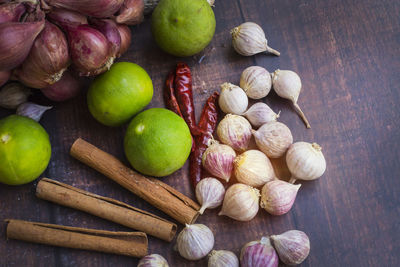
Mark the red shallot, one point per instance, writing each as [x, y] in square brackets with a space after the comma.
[126, 38]
[47, 60]
[110, 30]
[66, 88]
[131, 12]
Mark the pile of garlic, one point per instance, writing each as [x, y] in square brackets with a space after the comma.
[257, 184]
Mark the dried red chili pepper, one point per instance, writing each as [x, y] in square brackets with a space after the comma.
[169, 94]
[184, 95]
[208, 122]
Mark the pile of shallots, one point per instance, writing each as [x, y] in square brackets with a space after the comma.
[47, 44]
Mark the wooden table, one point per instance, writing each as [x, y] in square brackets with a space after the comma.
[348, 56]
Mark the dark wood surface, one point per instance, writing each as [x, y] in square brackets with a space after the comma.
[348, 56]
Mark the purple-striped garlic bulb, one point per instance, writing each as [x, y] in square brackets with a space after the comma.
[218, 160]
[234, 131]
[277, 197]
[259, 253]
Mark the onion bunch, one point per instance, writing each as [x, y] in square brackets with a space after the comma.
[41, 40]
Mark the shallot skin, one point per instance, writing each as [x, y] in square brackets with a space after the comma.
[90, 50]
[47, 60]
[16, 41]
[93, 8]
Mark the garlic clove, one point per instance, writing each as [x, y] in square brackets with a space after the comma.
[222, 258]
[232, 99]
[13, 94]
[273, 138]
[210, 193]
[256, 82]
[249, 39]
[253, 168]
[259, 253]
[195, 241]
[234, 131]
[153, 260]
[241, 202]
[32, 110]
[277, 197]
[287, 84]
[292, 246]
[260, 113]
[218, 160]
[305, 161]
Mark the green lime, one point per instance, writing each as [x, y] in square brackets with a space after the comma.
[157, 142]
[118, 94]
[183, 27]
[25, 150]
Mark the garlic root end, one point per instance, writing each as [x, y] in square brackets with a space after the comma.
[273, 51]
[301, 114]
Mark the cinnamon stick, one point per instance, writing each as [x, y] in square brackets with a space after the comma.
[157, 193]
[132, 244]
[106, 208]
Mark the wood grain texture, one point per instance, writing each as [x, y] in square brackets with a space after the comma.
[348, 56]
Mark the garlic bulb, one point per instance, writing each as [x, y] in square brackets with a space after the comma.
[249, 39]
[241, 202]
[222, 258]
[287, 84]
[13, 94]
[195, 241]
[259, 254]
[153, 260]
[277, 197]
[218, 160]
[210, 193]
[305, 161]
[32, 110]
[234, 131]
[292, 246]
[273, 138]
[253, 168]
[260, 113]
[232, 99]
[256, 82]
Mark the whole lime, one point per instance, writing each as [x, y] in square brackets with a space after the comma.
[157, 142]
[118, 94]
[183, 27]
[25, 150]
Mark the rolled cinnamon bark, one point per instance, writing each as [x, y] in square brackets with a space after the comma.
[132, 244]
[106, 208]
[157, 193]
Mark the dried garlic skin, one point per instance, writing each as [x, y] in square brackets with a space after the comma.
[305, 161]
[153, 260]
[222, 258]
[210, 193]
[256, 82]
[277, 197]
[195, 241]
[292, 246]
[218, 160]
[273, 138]
[232, 99]
[240, 202]
[253, 168]
[13, 94]
[249, 39]
[287, 84]
[234, 131]
[260, 114]
[259, 253]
